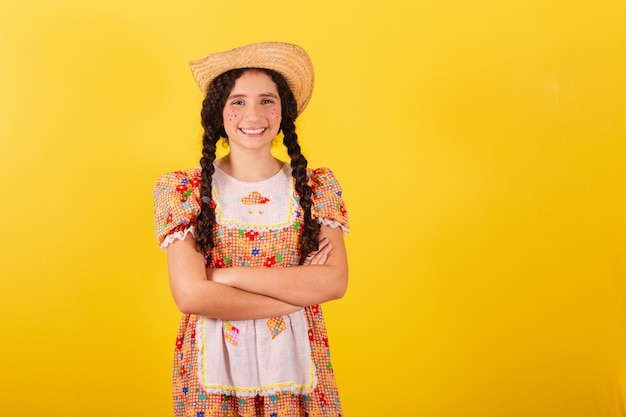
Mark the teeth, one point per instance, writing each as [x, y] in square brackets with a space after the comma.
[253, 131]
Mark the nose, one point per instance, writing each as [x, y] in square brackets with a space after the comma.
[253, 112]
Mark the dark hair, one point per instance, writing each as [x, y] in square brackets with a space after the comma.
[212, 122]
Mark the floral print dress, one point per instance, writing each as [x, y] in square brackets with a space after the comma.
[274, 367]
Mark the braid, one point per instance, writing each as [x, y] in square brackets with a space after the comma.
[206, 217]
[310, 228]
[211, 117]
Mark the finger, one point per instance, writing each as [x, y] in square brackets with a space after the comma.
[322, 243]
[325, 249]
[320, 257]
[309, 259]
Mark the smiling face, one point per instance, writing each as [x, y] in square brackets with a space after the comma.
[252, 113]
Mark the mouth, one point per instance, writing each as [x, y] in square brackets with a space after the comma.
[253, 131]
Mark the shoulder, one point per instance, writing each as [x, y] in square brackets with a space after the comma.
[327, 198]
[187, 179]
[174, 188]
[322, 177]
[176, 201]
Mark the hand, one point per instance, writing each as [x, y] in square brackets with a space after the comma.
[320, 256]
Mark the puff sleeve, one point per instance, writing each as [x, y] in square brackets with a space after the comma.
[176, 205]
[328, 206]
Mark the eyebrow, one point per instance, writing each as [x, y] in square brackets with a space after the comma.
[245, 95]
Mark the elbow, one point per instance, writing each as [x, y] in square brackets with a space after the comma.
[185, 308]
[338, 294]
[184, 305]
[342, 291]
[185, 301]
[339, 290]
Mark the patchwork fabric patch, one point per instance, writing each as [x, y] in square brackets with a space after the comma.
[276, 325]
[231, 333]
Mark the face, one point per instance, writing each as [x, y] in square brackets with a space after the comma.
[252, 113]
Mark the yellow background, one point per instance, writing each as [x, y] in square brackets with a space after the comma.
[481, 147]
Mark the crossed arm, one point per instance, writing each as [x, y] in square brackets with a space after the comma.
[249, 292]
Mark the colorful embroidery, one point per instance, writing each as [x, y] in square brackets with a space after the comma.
[255, 198]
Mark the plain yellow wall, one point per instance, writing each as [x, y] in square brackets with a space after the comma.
[481, 145]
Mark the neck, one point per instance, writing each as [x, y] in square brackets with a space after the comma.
[249, 167]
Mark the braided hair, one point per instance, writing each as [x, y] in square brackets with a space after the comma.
[212, 122]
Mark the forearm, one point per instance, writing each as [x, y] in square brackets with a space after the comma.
[220, 301]
[298, 285]
[194, 294]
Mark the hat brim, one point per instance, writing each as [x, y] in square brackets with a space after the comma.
[291, 61]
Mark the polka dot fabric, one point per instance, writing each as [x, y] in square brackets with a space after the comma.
[176, 197]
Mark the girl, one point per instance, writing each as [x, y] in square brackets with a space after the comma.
[254, 245]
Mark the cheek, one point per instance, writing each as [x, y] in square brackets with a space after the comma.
[232, 115]
[275, 113]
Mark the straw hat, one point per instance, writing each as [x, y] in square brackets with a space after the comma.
[291, 61]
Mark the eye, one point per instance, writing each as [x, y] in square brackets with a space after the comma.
[267, 101]
[237, 103]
